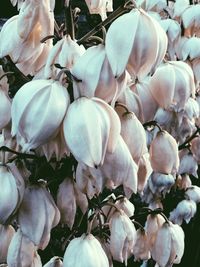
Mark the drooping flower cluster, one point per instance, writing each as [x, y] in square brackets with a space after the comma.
[120, 117]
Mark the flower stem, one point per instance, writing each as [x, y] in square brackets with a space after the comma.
[152, 123]
[119, 11]
[184, 145]
[69, 21]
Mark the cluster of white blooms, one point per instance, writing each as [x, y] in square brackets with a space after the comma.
[132, 123]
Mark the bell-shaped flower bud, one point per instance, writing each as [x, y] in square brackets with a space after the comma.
[153, 223]
[190, 17]
[125, 205]
[88, 249]
[83, 116]
[54, 262]
[148, 104]
[97, 79]
[6, 235]
[127, 49]
[132, 101]
[172, 84]
[34, 22]
[33, 108]
[65, 53]
[141, 247]
[12, 185]
[164, 153]
[184, 211]
[188, 164]
[193, 193]
[169, 245]
[133, 133]
[120, 168]
[38, 203]
[68, 198]
[22, 252]
[89, 180]
[179, 6]
[122, 236]
[66, 202]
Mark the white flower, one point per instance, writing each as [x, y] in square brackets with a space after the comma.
[169, 245]
[185, 210]
[38, 214]
[164, 153]
[37, 112]
[122, 236]
[85, 251]
[136, 48]
[91, 127]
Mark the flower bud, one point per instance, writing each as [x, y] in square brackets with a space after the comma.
[141, 247]
[33, 108]
[169, 245]
[164, 153]
[84, 115]
[38, 203]
[6, 235]
[122, 236]
[22, 252]
[85, 251]
[12, 185]
[185, 210]
[193, 193]
[127, 50]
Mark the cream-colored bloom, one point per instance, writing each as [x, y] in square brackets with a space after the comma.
[193, 193]
[23, 34]
[38, 214]
[135, 48]
[133, 134]
[184, 211]
[172, 84]
[68, 198]
[152, 225]
[22, 252]
[6, 235]
[164, 153]
[65, 53]
[33, 108]
[141, 248]
[120, 168]
[122, 236]
[97, 79]
[91, 127]
[169, 245]
[85, 251]
[12, 185]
